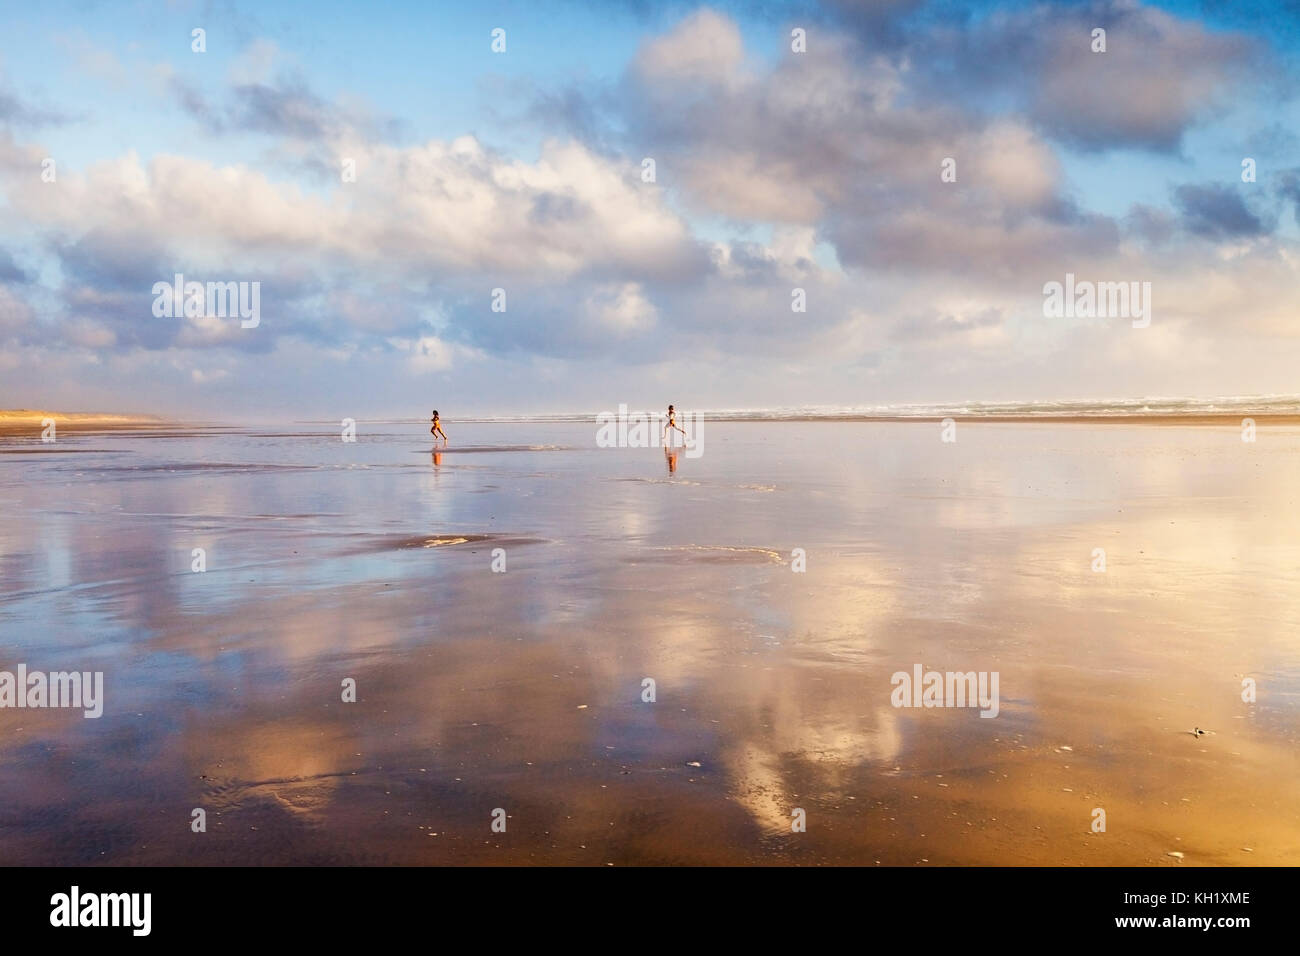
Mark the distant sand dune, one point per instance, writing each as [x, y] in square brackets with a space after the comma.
[20, 421]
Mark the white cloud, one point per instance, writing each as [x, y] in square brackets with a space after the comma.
[622, 309]
[429, 353]
[704, 46]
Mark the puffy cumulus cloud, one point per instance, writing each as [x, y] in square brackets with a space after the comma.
[88, 334]
[1160, 74]
[1150, 224]
[457, 206]
[1015, 167]
[429, 353]
[1216, 211]
[206, 377]
[837, 141]
[173, 207]
[743, 186]
[10, 271]
[450, 208]
[16, 111]
[853, 132]
[779, 145]
[941, 329]
[268, 93]
[819, 171]
[19, 162]
[788, 256]
[422, 231]
[621, 309]
[16, 316]
[255, 64]
[1232, 292]
[284, 107]
[26, 330]
[205, 331]
[1289, 190]
[849, 143]
[705, 46]
[990, 246]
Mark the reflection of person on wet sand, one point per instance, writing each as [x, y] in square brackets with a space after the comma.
[672, 423]
[436, 430]
[437, 458]
[670, 456]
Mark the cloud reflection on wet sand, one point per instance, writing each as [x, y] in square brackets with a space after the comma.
[223, 687]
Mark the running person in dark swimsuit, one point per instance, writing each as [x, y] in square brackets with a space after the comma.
[672, 423]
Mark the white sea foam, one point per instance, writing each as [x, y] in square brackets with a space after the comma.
[1105, 407]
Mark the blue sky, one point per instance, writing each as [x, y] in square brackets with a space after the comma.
[521, 170]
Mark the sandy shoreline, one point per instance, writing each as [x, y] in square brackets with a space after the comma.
[19, 422]
[23, 421]
[1224, 419]
[1233, 419]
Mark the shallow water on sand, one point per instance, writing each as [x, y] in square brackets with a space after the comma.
[523, 690]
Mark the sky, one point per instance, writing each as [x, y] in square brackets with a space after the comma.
[432, 222]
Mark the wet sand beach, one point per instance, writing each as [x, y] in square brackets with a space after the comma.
[523, 689]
